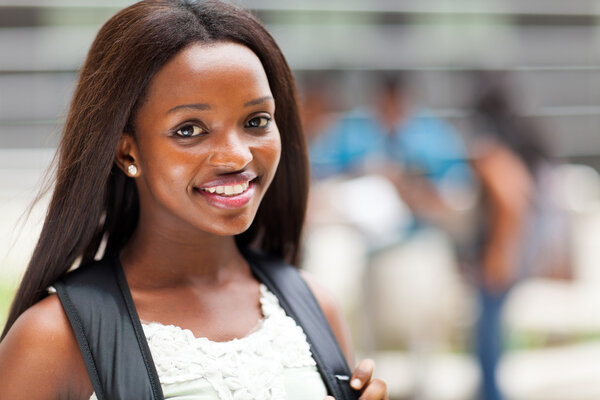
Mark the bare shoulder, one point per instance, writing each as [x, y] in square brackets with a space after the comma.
[41, 347]
[42, 320]
[325, 298]
[333, 312]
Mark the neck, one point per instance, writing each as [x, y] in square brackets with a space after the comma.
[155, 258]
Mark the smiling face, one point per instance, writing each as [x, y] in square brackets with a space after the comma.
[206, 143]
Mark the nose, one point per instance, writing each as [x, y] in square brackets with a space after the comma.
[229, 151]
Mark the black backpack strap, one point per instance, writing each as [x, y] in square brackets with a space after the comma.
[298, 301]
[100, 308]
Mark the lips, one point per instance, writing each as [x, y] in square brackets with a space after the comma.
[229, 191]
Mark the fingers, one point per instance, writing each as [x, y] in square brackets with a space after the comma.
[376, 390]
[362, 374]
[362, 379]
[329, 398]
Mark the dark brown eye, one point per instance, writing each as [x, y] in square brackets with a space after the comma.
[259, 122]
[189, 131]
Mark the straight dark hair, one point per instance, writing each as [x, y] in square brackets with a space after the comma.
[94, 200]
[495, 112]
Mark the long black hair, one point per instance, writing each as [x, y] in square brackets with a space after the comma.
[94, 200]
[496, 113]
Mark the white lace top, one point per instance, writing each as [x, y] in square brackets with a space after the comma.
[272, 362]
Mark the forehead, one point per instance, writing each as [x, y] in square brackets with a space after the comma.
[204, 70]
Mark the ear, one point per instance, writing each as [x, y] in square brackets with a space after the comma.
[128, 155]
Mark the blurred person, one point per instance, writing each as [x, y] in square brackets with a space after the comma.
[399, 175]
[175, 179]
[522, 231]
[419, 153]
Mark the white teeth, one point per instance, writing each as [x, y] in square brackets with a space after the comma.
[228, 190]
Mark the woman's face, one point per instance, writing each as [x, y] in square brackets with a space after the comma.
[206, 143]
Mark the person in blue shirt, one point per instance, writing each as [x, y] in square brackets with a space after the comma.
[421, 154]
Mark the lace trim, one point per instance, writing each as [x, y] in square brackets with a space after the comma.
[247, 368]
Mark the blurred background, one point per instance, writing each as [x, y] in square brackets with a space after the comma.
[455, 209]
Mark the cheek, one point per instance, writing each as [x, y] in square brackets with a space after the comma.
[271, 154]
[277, 150]
[164, 168]
[267, 154]
[275, 144]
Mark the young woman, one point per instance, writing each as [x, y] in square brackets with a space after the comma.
[182, 148]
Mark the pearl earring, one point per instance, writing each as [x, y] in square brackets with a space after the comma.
[132, 170]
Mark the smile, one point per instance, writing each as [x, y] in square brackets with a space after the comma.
[233, 190]
[234, 196]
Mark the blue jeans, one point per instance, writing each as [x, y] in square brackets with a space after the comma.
[489, 341]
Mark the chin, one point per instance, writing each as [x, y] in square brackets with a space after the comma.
[231, 229]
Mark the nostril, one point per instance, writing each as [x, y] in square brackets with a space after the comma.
[230, 160]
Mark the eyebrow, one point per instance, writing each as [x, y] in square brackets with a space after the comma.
[195, 106]
[204, 106]
[260, 100]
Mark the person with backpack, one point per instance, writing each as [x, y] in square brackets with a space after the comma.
[163, 269]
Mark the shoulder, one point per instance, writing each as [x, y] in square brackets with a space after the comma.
[44, 326]
[271, 265]
[333, 312]
[40, 347]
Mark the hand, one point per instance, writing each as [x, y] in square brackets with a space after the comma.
[362, 380]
